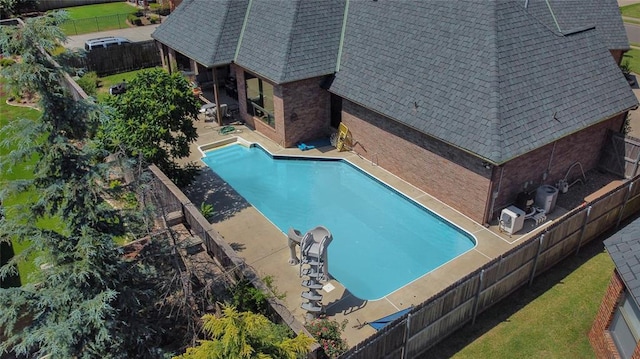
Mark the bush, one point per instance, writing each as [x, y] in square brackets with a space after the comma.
[4, 62]
[89, 83]
[328, 333]
[154, 19]
[134, 20]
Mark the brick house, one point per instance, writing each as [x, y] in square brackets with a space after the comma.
[473, 102]
[616, 328]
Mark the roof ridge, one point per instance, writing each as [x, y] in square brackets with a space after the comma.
[342, 32]
[244, 26]
[219, 37]
[290, 42]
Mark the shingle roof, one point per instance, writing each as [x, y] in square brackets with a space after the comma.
[577, 14]
[286, 41]
[624, 249]
[483, 76]
[206, 31]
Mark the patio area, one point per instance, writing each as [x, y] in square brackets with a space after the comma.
[264, 247]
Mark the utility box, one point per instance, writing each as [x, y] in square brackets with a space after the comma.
[511, 219]
[546, 197]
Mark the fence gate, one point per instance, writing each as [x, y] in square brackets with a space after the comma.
[621, 155]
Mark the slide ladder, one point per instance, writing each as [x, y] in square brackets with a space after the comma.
[314, 268]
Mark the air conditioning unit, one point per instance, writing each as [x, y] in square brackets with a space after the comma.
[511, 219]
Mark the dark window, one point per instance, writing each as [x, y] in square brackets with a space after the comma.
[625, 327]
[259, 99]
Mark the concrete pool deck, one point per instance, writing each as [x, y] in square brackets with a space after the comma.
[264, 247]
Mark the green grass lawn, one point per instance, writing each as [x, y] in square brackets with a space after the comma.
[632, 58]
[99, 17]
[550, 319]
[22, 171]
[108, 81]
[631, 10]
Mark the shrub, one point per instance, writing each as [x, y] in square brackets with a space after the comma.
[154, 19]
[89, 83]
[328, 333]
[134, 20]
[4, 62]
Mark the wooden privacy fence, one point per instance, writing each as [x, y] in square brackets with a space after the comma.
[121, 58]
[621, 155]
[439, 316]
[173, 200]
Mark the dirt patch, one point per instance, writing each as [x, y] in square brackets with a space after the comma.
[596, 180]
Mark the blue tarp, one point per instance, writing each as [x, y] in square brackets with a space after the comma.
[382, 322]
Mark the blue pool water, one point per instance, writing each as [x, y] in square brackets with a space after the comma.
[381, 240]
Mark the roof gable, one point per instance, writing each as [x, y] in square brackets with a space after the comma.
[204, 30]
[292, 40]
[624, 249]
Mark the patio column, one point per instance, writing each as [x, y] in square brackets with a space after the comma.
[215, 96]
[173, 65]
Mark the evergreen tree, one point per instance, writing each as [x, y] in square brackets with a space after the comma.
[87, 301]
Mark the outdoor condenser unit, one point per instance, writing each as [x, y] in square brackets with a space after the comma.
[512, 219]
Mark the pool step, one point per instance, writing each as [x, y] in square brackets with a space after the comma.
[312, 272]
[312, 295]
[311, 284]
[311, 307]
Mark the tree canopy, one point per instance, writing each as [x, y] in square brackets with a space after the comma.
[153, 120]
[87, 301]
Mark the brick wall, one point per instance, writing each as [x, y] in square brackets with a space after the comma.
[599, 336]
[301, 110]
[458, 178]
[447, 173]
[529, 169]
[306, 111]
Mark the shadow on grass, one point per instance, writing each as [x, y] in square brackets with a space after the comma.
[209, 188]
[6, 253]
[502, 311]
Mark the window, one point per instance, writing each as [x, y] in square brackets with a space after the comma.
[625, 326]
[259, 99]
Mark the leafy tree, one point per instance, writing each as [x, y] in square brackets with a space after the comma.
[154, 120]
[246, 335]
[87, 301]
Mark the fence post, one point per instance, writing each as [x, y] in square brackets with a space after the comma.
[635, 167]
[405, 339]
[535, 260]
[626, 199]
[584, 229]
[75, 28]
[477, 298]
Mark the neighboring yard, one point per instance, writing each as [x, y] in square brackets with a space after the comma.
[108, 81]
[550, 319]
[99, 17]
[632, 58]
[23, 171]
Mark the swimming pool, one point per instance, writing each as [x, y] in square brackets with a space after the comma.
[381, 239]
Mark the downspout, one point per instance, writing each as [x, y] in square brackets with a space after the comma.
[495, 194]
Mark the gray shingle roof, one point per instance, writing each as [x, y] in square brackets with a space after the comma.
[286, 41]
[483, 76]
[578, 14]
[624, 249]
[204, 30]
